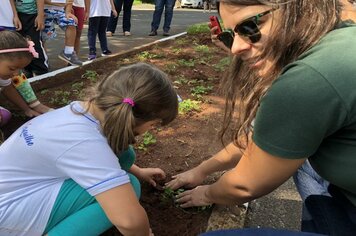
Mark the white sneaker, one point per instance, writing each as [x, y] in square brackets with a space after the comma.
[127, 33]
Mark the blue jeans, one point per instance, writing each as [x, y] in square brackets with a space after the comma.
[97, 26]
[257, 232]
[168, 14]
[126, 19]
[325, 209]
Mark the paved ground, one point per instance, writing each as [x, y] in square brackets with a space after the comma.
[140, 28]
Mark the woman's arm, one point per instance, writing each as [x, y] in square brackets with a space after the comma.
[16, 19]
[257, 173]
[121, 206]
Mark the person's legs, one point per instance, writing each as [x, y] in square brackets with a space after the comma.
[103, 22]
[79, 12]
[168, 15]
[156, 20]
[92, 32]
[126, 20]
[38, 65]
[112, 24]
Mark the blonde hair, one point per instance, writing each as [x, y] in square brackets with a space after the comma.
[303, 23]
[153, 95]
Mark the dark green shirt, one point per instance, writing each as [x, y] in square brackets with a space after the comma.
[310, 110]
[26, 6]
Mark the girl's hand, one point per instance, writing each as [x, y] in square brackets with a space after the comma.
[190, 179]
[114, 12]
[151, 175]
[17, 23]
[31, 113]
[215, 40]
[194, 197]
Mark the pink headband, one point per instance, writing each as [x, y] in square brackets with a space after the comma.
[30, 49]
[129, 101]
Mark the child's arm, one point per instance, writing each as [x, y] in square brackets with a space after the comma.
[13, 95]
[87, 9]
[39, 21]
[113, 9]
[149, 175]
[16, 19]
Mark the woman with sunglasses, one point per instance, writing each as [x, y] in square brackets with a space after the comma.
[293, 73]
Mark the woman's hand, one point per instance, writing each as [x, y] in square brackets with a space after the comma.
[189, 179]
[151, 175]
[194, 197]
[215, 40]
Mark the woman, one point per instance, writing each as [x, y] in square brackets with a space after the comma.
[293, 73]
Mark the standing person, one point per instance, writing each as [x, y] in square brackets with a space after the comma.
[31, 15]
[16, 53]
[99, 14]
[79, 163]
[126, 19]
[81, 11]
[168, 6]
[284, 80]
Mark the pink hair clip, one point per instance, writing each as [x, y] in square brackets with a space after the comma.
[31, 49]
[129, 101]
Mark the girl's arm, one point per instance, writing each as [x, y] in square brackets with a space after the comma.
[39, 21]
[87, 9]
[16, 19]
[13, 96]
[121, 206]
[150, 175]
[257, 173]
[113, 9]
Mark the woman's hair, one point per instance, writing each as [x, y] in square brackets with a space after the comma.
[11, 40]
[152, 93]
[303, 23]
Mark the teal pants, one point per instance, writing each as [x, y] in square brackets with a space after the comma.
[75, 212]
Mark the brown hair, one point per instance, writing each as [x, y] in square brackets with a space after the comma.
[153, 95]
[304, 23]
[11, 39]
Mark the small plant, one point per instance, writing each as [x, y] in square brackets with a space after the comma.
[147, 55]
[200, 90]
[170, 194]
[222, 64]
[148, 139]
[91, 75]
[198, 28]
[170, 68]
[188, 106]
[181, 80]
[177, 50]
[61, 98]
[181, 41]
[188, 63]
[202, 49]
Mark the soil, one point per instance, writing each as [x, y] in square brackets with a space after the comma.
[191, 61]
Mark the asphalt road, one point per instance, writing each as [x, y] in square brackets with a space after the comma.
[140, 28]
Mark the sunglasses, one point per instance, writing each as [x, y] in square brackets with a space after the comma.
[247, 29]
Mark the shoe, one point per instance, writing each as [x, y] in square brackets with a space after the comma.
[127, 33]
[109, 34]
[70, 58]
[166, 34]
[153, 33]
[106, 53]
[91, 56]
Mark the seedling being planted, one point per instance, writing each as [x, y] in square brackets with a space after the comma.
[148, 139]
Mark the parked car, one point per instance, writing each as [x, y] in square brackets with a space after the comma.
[192, 3]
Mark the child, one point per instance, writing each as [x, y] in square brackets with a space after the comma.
[15, 53]
[68, 172]
[55, 15]
[126, 19]
[99, 14]
[81, 11]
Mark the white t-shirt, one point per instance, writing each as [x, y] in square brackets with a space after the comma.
[100, 8]
[40, 155]
[79, 3]
[6, 14]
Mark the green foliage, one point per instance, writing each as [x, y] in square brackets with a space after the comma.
[176, 50]
[147, 55]
[181, 80]
[200, 90]
[91, 75]
[198, 28]
[222, 64]
[202, 48]
[187, 63]
[170, 67]
[188, 106]
[170, 194]
[148, 139]
[60, 98]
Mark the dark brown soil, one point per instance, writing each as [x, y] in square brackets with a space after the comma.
[190, 61]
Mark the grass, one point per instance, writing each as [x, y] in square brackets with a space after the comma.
[198, 28]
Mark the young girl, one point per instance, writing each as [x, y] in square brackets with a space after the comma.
[16, 53]
[99, 14]
[68, 172]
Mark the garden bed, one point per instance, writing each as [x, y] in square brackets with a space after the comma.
[195, 66]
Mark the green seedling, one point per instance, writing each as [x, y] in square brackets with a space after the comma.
[222, 64]
[188, 105]
[200, 90]
[170, 194]
[187, 63]
[61, 98]
[181, 80]
[177, 50]
[147, 55]
[91, 75]
[45, 91]
[148, 139]
[170, 68]
[202, 49]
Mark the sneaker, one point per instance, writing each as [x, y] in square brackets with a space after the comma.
[127, 33]
[166, 34]
[91, 56]
[70, 58]
[106, 53]
[153, 33]
[109, 34]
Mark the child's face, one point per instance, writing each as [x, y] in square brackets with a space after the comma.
[9, 68]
